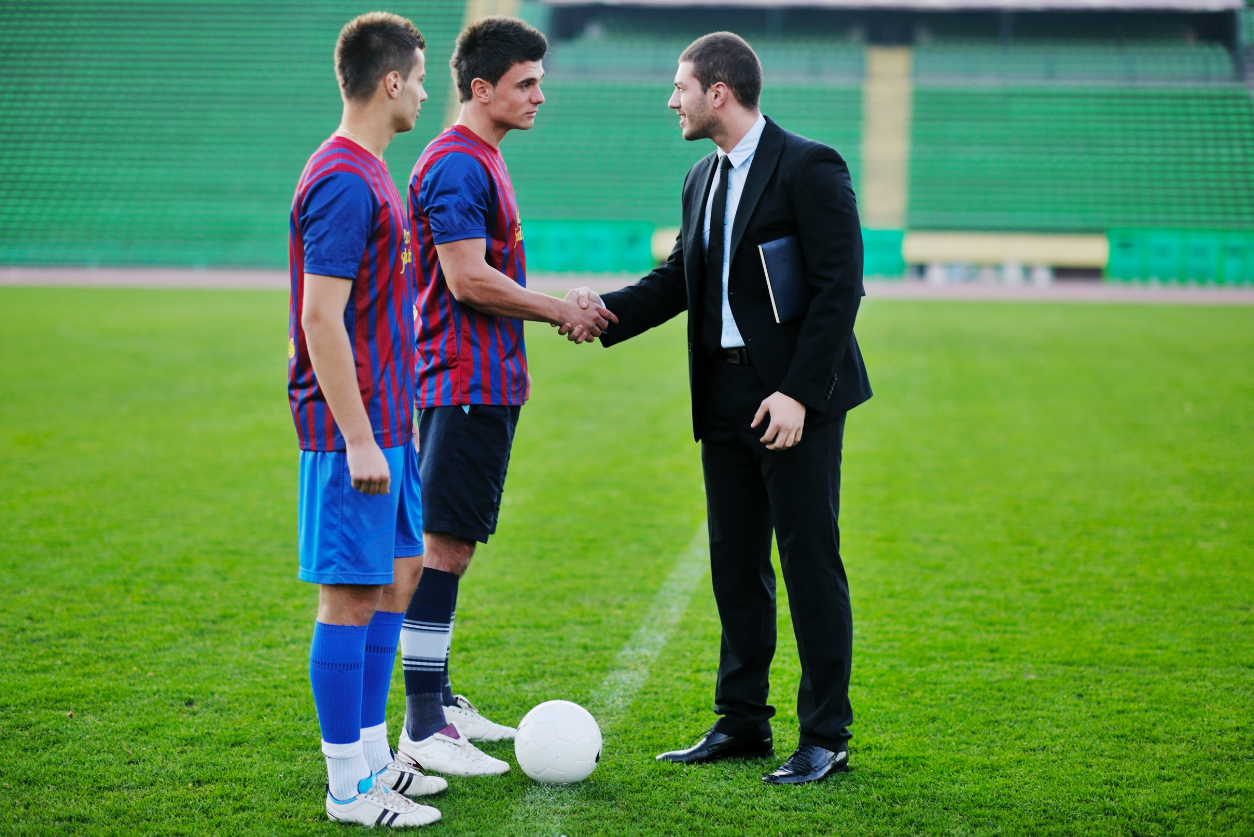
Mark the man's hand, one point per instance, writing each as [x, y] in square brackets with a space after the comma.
[589, 318]
[368, 468]
[473, 282]
[527, 393]
[788, 419]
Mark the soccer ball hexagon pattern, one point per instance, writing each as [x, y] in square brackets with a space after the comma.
[558, 743]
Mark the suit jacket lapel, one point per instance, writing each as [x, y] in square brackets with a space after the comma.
[694, 215]
[760, 170]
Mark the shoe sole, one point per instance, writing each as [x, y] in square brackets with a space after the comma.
[507, 736]
[764, 754]
[336, 819]
[841, 768]
[426, 768]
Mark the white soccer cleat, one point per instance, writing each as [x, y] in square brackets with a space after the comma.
[474, 726]
[403, 778]
[381, 806]
[451, 756]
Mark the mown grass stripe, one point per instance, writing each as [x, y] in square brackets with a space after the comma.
[543, 806]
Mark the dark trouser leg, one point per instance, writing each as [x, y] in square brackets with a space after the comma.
[804, 488]
[744, 586]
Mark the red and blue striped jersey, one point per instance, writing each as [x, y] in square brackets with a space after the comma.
[348, 221]
[460, 189]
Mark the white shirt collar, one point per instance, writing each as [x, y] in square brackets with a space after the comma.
[748, 144]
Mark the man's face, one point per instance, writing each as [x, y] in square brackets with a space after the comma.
[696, 116]
[408, 104]
[516, 98]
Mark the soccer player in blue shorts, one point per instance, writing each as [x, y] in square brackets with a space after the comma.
[350, 384]
[472, 366]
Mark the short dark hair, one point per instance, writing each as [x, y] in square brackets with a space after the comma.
[487, 48]
[372, 45]
[726, 57]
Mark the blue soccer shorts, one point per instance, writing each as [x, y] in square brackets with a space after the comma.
[347, 537]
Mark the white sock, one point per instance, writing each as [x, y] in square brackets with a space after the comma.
[346, 766]
[375, 742]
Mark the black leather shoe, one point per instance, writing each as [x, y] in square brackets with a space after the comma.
[810, 764]
[715, 746]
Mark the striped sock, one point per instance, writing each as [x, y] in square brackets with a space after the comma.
[446, 696]
[424, 650]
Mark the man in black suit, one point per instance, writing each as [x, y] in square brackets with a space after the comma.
[761, 184]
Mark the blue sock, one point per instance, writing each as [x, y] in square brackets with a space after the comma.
[424, 650]
[337, 660]
[381, 638]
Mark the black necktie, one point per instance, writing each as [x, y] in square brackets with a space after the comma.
[712, 331]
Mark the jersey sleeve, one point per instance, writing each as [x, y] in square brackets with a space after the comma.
[335, 222]
[455, 194]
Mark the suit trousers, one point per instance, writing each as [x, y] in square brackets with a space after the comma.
[752, 492]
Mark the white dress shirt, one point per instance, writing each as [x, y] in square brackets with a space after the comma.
[741, 160]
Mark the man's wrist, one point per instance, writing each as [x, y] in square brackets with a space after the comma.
[559, 311]
[357, 439]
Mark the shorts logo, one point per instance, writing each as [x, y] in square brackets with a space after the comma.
[407, 255]
[291, 348]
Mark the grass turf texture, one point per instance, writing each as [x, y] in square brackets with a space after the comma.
[1048, 526]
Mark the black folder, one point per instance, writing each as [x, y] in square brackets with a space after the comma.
[785, 267]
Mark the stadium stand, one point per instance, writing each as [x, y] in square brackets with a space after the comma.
[608, 149]
[173, 133]
[1080, 138]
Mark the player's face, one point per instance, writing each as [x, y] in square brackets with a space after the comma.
[408, 103]
[696, 116]
[516, 98]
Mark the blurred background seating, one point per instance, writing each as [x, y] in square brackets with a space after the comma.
[172, 133]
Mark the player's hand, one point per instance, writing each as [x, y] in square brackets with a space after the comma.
[589, 316]
[527, 393]
[788, 419]
[368, 468]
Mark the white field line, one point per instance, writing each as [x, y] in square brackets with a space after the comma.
[542, 808]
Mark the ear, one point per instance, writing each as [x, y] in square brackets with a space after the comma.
[393, 84]
[718, 94]
[482, 91]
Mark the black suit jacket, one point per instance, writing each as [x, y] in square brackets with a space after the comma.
[795, 185]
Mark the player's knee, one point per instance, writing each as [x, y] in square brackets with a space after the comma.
[448, 553]
[406, 573]
[348, 604]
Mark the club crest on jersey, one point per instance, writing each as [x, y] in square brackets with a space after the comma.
[291, 348]
[407, 255]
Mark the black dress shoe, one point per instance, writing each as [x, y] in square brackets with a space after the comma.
[715, 746]
[810, 764]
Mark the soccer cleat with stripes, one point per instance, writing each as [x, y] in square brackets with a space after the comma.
[404, 778]
[380, 806]
[474, 726]
[444, 753]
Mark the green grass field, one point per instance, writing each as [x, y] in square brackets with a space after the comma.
[1049, 530]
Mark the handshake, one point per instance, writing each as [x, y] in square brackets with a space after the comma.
[587, 316]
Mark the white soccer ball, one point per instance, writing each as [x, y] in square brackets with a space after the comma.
[558, 742]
